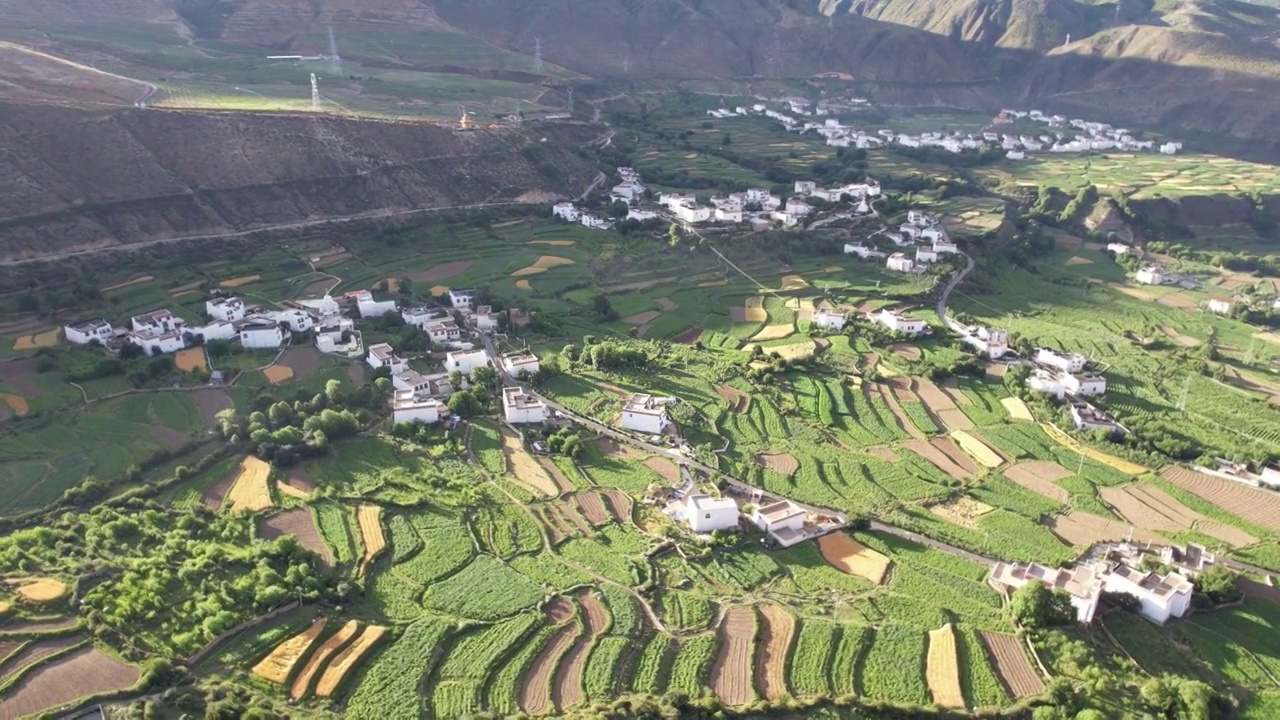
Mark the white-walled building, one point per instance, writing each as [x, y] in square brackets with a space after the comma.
[830, 319]
[943, 246]
[408, 407]
[225, 308]
[926, 255]
[330, 334]
[565, 211]
[1061, 384]
[1118, 248]
[899, 262]
[1150, 275]
[1218, 306]
[692, 214]
[485, 319]
[1160, 596]
[158, 343]
[463, 298]
[861, 250]
[727, 215]
[900, 323]
[1087, 417]
[216, 330]
[1066, 362]
[324, 307]
[88, 331]
[641, 215]
[419, 315]
[443, 331]
[370, 308]
[297, 321]
[783, 521]
[706, 514]
[520, 407]
[1081, 583]
[157, 322]
[992, 342]
[520, 362]
[261, 335]
[465, 362]
[644, 414]
[383, 355]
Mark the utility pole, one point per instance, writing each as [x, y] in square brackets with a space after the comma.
[315, 94]
[537, 54]
[1186, 388]
[570, 100]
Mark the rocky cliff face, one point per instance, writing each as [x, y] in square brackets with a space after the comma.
[75, 180]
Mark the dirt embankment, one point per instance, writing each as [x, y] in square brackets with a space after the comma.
[140, 178]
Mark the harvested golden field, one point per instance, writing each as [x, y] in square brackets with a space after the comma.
[941, 671]
[277, 374]
[555, 243]
[39, 590]
[347, 659]
[250, 491]
[238, 281]
[190, 359]
[541, 265]
[302, 684]
[978, 449]
[849, 556]
[16, 403]
[794, 282]
[35, 341]
[523, 285]
[526, 471]
[1017, 409]
[370, 517]
[774, 332]
[753, 310]
[292, 491]
[1067, 441]
[962, 511]
[278, 666]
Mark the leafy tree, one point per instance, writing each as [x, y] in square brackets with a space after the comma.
[1220, 584]
[464, 404]
[1036, 606]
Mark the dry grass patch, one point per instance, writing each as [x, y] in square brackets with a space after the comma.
[16, 403]
[753, 310]
[774, 332]
[190, 359]
[39, 590]
[962, 511]
[794, 351]
[250, 490]
[302, 684]
[288, 490]
[521, 465]
[523, 285]
[851, 557]
[555, 243]
[1178, 300]
[1112, 461]
[35, 341]
[238, 281]
[884, 453]
[942, 674]
[370, 517]
[278, 665]
[1017, 409]
[135, 281]
[277, 374]
[978, 449]
[543, 264]
[347, 659]
[666, 304]
[1077, 260]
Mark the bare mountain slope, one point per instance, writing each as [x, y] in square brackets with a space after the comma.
[74, 180]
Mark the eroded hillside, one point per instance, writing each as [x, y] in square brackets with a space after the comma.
[74, 180]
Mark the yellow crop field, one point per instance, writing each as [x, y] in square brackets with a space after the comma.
[347, 659]
[48, 338]
[941, 671]
[1017, 409]
[292, 491]
[774, 332]
[302, 683]
[190, 359]
[542, 264]
[370, 517]
[16, 403]
[277, 374]
[238, 281]
[849, 556]
[277, 666]
[39, 590]
[978, 449]
[250, 490]
[1067, 441]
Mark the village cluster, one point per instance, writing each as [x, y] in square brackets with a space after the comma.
[1063, 135]
[920, 235]
[757, 206]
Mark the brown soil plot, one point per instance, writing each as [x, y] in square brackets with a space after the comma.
[190, 359]
[85, 672]
[442, 271]
[884, 453]
[942, 674]
[777, 627]
[557, 475]
[664, 467]
[949, 448]
[567, 689]
[1012, 664]
[302, 684]
[666, 304]
[355, 373]
[619, 505]
[303, 361]
[347, 659]
[592, 507]
[555, 533]
[1082, 529]
[168, 437]
[941, 405]
[135, 281]
[906, 351]
[1039, 476]
[211, 402]
[739, 402]
[1177, 300]
[939, 459]
[569, 512]
[1150, 507]
[688, 337]
[643, 318]
[1257, 506]
[778, 462]
[899, 415]
[216, 493]
[277, 374]
[36, 652]
[1183, 340]
[535, 691]
[521, 465]
[731, 673]
[851, 557]
[299, 523]
[38, 590]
